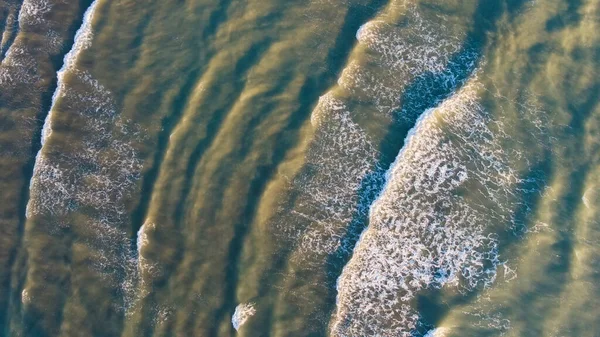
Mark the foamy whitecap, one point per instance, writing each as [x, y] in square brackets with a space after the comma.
[359, 31]
[364, 28]
[142, 237]
[326, 103]
[415, 50]
[423, 232]
[242, 313]
[148, 268]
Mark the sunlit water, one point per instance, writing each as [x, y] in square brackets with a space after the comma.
[342, 168]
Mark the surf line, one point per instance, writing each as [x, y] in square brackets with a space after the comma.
[83, 39]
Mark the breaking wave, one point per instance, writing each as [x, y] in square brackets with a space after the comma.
[431, 227]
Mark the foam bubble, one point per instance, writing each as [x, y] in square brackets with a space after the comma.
[25, 297]
[242, 313]
[585, 199]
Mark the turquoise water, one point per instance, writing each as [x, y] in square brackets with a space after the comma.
[308, 168]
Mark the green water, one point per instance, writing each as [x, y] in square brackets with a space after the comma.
[299, 168]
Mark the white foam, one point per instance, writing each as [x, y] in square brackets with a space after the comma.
[585, 199]
[422, 233]
[437, 332]
[242, 313]
[147, 268]
[33, 11]
[25, 297]
[19, 67]
[360, 31]
[142, 237]
[327, 103]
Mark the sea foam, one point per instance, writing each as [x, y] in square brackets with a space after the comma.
[422, 232]
[242, 313]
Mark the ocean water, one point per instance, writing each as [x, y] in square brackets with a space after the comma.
[341, 168]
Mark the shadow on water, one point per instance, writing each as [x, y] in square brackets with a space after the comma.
[171, 121]
[136, 45]
[580, 107]
[241, 67]
[213, 126]
[287, 137]
[167, 125]
[216, 19]
[567, 18]
[257, 187]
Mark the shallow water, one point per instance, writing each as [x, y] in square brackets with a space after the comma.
[309, 168]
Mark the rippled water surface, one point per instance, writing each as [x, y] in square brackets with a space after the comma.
[341, 168]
